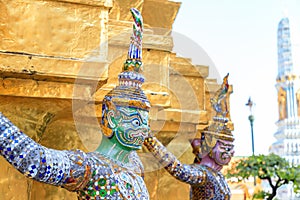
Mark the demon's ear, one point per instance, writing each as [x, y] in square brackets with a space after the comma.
[196, 144]
[111, 118]
[203, 146]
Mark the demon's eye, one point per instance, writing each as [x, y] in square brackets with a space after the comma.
[136, 122]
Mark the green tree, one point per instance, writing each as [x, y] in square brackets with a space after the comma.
[276, 170]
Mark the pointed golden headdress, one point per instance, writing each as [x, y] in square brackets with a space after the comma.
[129, 93]
[218, 129]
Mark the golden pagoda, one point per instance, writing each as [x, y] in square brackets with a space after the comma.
[58, 58]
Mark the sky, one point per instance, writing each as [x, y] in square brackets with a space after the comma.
[239, 37]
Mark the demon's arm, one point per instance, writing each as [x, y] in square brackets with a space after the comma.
[186, 173]
[68, 169]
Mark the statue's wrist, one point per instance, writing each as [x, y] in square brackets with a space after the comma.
[4, 123]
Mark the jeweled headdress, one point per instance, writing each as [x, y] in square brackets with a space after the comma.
[218, 129]
[128, 92]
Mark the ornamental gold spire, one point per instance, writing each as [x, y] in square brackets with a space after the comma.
[134, 57]
[131, 74]
[218, 129]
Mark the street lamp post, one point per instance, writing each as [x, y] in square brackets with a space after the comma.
[251, 119]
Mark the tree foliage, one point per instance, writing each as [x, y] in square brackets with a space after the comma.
[272, 168]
